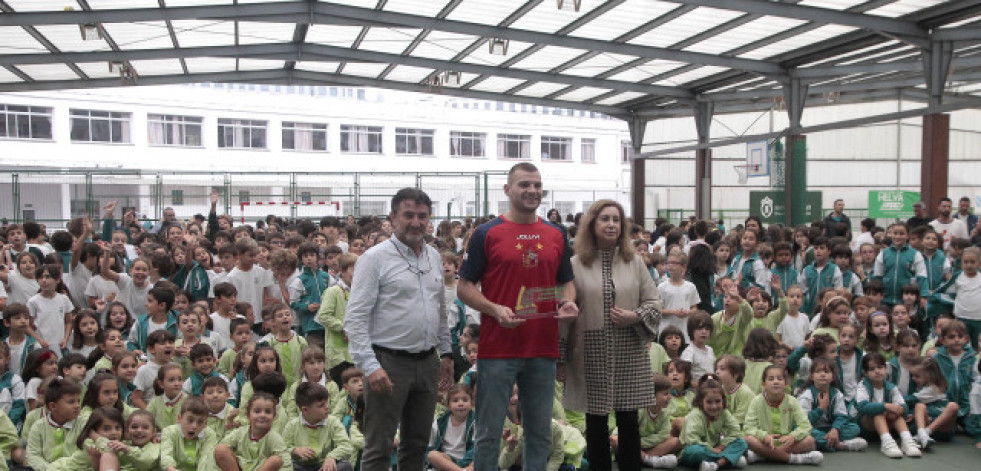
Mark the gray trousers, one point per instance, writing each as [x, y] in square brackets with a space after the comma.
[409, 408]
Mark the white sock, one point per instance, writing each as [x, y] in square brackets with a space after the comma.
[798, 459]
[926, 431]
[905, 435]
[886, 438]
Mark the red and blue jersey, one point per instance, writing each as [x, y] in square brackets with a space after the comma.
[508, 258]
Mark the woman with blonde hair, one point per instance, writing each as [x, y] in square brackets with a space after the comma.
[604, 361]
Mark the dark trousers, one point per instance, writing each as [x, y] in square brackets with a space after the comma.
[598, 441]
[409, 408]
[342, 465]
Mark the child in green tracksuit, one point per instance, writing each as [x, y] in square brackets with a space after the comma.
[657, 445]
[711, 435]
[46, 442]
[189, 444]
[831, 426]
[458, 417]
[139, 452]
[166, 407]
[315, 438]
[731, 325]
[679, 376]
[777, 428]
[258, 446]
[104, 425]
[513, 437]
[221, 414]
[284, 341]
[730, 371]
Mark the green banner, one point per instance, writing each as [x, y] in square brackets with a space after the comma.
[769, 207]
[892, 203]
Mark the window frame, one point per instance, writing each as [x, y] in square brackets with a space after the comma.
[547, 144]
[522, 140]
[181, 122]
[468, 139]
[124, 118]
[225, 124]
[420, 134]
[315, 130]
[584, 144]
[376, 132]
[29, 113]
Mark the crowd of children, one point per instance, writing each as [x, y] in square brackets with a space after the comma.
[224, 349]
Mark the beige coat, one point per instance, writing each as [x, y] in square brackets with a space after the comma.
[607, 367]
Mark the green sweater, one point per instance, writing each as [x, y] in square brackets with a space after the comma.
[729, 335]
[79, 459]
[252, 453]
[165, 412]
[793, 419]
[753, 378]
[218, 422]
[738, 402]
[177, 451]
[653, 430]
[47, 443]
[698, 430]
[144, 458]
[328, 438]
[770, 321]
[556, 454]
[333, 308]
[8, 436]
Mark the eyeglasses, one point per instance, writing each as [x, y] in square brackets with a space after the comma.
[416, 270]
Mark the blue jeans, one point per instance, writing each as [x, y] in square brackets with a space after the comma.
[536, 390]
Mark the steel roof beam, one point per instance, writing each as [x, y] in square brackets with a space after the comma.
[817, 15]
[324, 11]
[971, 33]
[318, 52]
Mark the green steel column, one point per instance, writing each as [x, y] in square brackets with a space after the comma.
[227, 197]
[796, 184]
[15, 187]
[486, 195]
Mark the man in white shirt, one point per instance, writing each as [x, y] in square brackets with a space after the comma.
[945, 225]
[395, 323]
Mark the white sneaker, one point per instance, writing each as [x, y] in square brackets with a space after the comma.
[665, 462]
[752, 457]
[708, 466]
[924, 439]
[890, 449]
[855, 444]
[910, 448]
[814, 457]
[741, 463]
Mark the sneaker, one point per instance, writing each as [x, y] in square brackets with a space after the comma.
[814, 457]
[708, 466]
[924, 439]
[751, 457]
[855, 444]
[891, 450]
[665, 462]
[910, 448]
[741, 463]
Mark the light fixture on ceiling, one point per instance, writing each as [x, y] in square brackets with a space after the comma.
[832, 97]
[451, 78]
[498, 46]
[127, 73]
[89, 31]
[434, 81]
[779, 104]
[571, 5]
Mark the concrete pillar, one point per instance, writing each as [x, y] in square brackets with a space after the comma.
[934, 159]
[638, 176]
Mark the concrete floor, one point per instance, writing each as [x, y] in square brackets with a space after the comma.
[959, 455]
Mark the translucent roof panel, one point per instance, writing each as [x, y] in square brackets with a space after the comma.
[97, 70]
[622, 18]
[744, 34]
[806, 38]
[194, 33]
[698, 73]
[363, 69]
[484, 12]
[144, 35]
[115, 4]
[497, 84]
[443, 45]
[341, 36]
[68, 38]
[7, 76]
[545, 18]
[405, 73]
[390, 40]
[159, 66]
[17, 41]
[904, 7]
[48, 72]
[482, 54]
[258, 64]
[263, 33]
[584, 93]
[599, 64]
[548, 58]
[414, 7]
[685, 26]
[620, 98]
[540, 89]
[326, 67]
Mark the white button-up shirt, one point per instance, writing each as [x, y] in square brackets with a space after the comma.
[397, 302]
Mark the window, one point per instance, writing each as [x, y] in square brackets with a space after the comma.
[177, 197]
[513, 146]
[589, 151]
[375, 208]
[361, 139]
[467, 144]
[25, 122]
[414, 141]
[241, 133]
[565, 207]
[626, 151]
[100, 126]
[304, 136]
[172, 130]
[556, 148]
[306, 196]
[244, 195]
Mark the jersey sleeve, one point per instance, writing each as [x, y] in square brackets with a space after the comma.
[475, 260]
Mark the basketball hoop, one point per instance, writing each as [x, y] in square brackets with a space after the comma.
[742, 171]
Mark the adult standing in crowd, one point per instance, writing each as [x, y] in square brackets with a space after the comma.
[964, 214]
[946, 226]
[836, 218]
[515, 253]
[395, 325]
[605, 364]
[920, 216]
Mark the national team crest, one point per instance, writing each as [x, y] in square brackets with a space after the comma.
[529, 259]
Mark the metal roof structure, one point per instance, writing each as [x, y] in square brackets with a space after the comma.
[634, 59]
